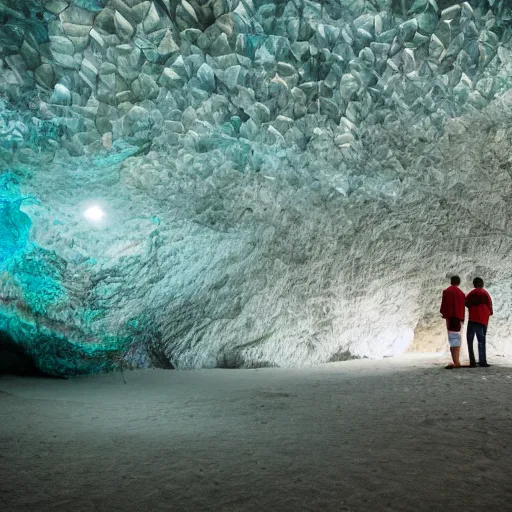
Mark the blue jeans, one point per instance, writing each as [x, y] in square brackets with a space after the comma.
[480, 330]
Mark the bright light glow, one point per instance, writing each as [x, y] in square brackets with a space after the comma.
[94, 213]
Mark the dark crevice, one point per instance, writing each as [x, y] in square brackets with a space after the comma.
[15, 361]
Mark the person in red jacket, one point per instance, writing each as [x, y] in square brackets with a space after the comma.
[479, 304]
[452, 309]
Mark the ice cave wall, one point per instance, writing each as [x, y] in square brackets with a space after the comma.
[284, 183]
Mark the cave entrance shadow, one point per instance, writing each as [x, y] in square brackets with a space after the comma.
[15, 361]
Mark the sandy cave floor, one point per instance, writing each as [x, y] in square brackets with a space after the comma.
[401, 434]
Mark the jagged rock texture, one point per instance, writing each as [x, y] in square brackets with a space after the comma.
[284, 183]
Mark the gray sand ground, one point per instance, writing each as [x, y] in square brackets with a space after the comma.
[358, 436]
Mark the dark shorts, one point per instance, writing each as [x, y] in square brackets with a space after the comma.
[453, 324]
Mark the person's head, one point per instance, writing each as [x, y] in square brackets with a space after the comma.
[478, 282]
[455, 280]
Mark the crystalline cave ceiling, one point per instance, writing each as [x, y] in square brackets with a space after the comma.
[247, 183]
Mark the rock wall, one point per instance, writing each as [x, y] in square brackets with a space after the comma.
[282, 183]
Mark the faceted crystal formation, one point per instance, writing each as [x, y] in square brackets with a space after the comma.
[281, 182]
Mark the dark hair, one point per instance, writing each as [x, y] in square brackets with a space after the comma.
[455, 280]
[478, 282]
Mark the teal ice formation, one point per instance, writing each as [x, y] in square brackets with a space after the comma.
[225, 183]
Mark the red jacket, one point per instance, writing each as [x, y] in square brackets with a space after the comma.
[479, 304]
[452, 305]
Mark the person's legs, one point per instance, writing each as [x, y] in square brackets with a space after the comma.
[470, 334]
[454, 341]
[452, 352]
[481, 332]
[455, 351]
